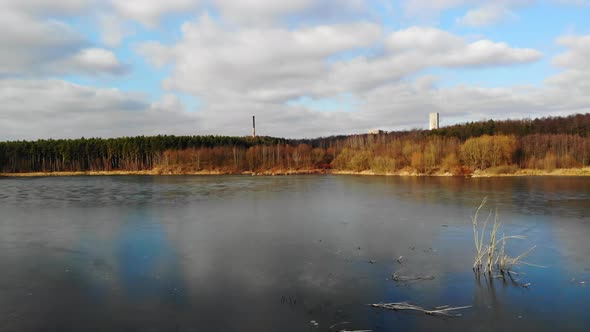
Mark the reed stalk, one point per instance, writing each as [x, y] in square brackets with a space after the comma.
[490, 249]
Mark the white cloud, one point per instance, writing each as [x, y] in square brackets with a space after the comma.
[573, 2]
[430, 47]
[40, 46]
[28, 44]
[149, 12]
[54, 108]
[485, 15]
[575, 62]
[578, 54]
[480, 12]
[113, 29]
[423, 38]
[168, 103]
[428, 7]
[251, 12]
[47, 7]
[259, 11]
[488, 53]
[275, 64]
[414, 49]
[258, 63]
[92, 61]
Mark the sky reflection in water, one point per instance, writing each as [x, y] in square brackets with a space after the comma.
[274, 253]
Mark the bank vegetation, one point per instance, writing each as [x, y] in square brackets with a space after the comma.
[540, 146]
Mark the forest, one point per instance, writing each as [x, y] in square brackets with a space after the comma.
[494, 146]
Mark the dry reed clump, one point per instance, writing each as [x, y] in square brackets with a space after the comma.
[490, 249]
[503, 169]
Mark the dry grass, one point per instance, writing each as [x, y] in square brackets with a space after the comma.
[168, 171]
[490, 249]
[581, 171]
[504, 169]
[87, 173]
[403, 172]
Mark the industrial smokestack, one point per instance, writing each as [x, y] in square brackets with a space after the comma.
[253, 126]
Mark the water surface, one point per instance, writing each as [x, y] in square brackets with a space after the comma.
[238, 253]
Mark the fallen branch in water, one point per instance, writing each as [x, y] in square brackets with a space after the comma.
[443, 311]
[345, 330]
[399, 260]
[334, 325]
[397, 277]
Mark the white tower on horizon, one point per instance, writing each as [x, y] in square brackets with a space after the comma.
[433, 123]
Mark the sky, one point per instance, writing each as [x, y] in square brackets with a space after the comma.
[305, 68]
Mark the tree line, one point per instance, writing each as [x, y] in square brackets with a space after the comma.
[97, 154]
[503, 146]
[577, 124]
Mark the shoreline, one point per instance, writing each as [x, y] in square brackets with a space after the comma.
[159, 173]
[573, 172]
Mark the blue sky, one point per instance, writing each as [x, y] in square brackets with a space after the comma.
[305, 68]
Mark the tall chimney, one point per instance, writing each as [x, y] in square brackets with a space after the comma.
[253, 126]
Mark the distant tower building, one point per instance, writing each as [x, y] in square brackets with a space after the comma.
[253, 126]
[433, 123]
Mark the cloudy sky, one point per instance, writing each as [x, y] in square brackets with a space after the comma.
[305, 68]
